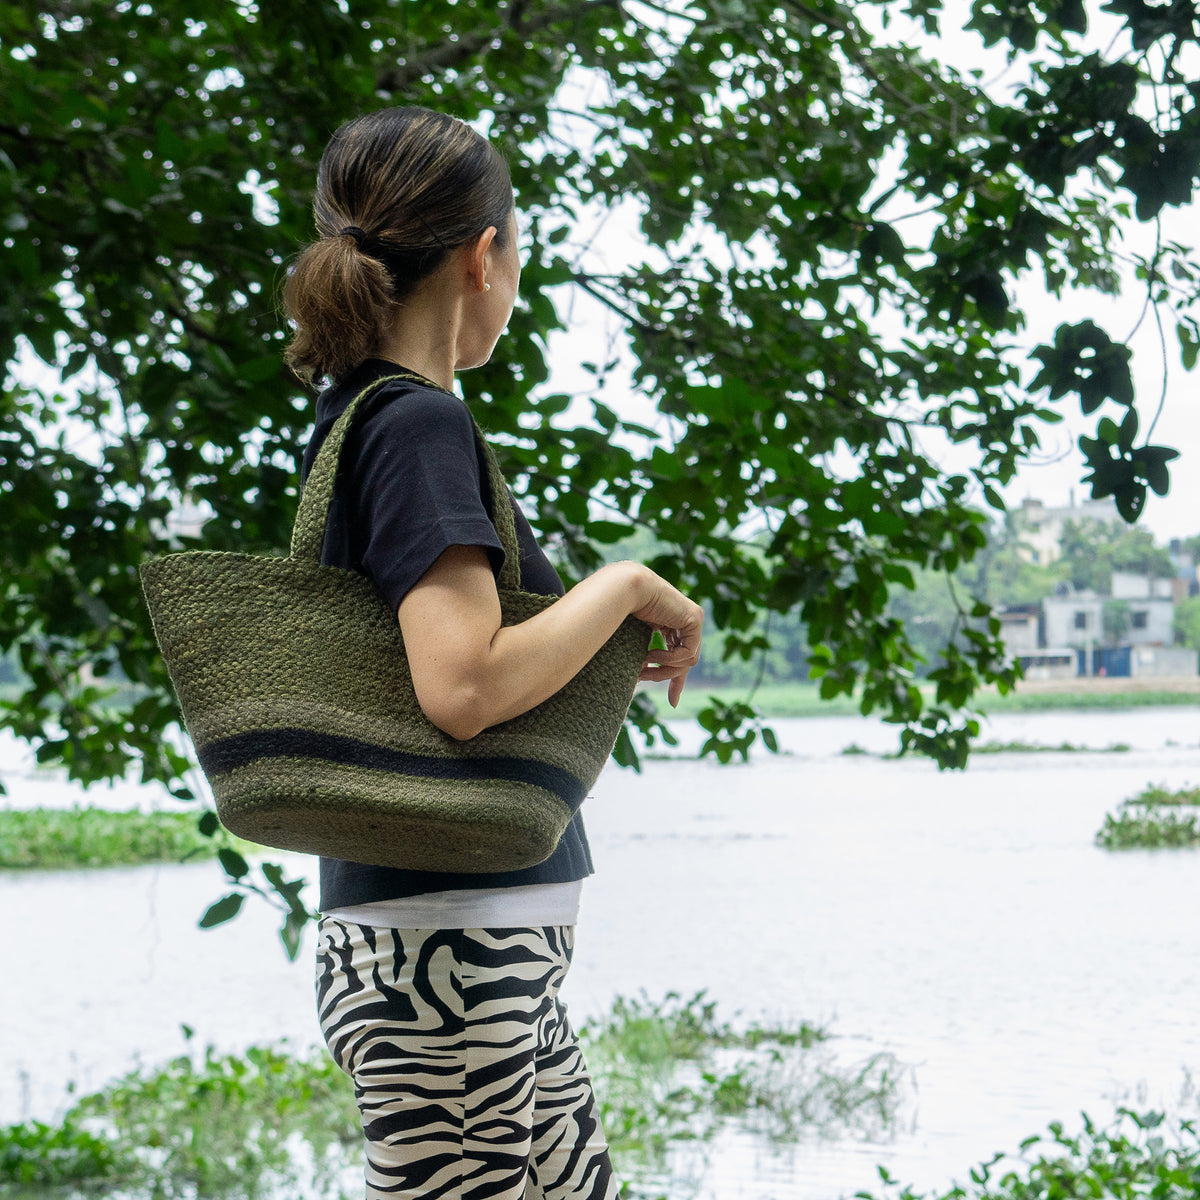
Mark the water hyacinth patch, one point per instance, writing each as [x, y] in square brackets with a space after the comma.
[1153, 819]
[1149, 829]
[1139, 1157]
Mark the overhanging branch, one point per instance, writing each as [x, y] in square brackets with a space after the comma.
[446, 55]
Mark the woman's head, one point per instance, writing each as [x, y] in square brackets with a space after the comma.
[397, 190]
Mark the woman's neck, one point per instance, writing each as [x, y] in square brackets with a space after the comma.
[424, 335]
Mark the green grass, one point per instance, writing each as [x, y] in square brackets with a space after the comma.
[1018, 701]
[802, 699]
[94, 837]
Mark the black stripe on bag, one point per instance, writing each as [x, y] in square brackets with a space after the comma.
[228, 753]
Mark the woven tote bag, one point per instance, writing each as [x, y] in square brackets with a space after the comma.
[296, 691]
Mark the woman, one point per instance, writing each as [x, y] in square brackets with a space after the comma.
[438, 993]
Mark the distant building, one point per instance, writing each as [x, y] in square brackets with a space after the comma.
[1072, 618]
[1187, 570]
[1128, 633]
[1020, 627]
[1050, 664]
[1039, 528]
[1131, 631]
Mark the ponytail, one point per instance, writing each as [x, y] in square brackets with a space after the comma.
[396, 190]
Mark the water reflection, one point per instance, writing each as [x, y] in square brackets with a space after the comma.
[963, 922]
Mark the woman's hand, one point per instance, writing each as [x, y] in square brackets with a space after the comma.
[471, 672]
[681, 623]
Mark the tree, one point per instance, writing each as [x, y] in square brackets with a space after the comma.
[1093, 550]
[829, 227]
[1187, 622]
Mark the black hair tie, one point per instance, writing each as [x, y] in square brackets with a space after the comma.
[357, 234]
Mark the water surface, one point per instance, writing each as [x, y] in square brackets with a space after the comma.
[963, 921]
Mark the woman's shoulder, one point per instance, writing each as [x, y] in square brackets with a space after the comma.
[399, 405]
[415, 405]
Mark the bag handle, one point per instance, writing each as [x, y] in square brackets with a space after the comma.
[308, 533]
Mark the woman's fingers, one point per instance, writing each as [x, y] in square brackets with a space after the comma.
[672, 663]
[680, 621]
[676, 676]
[685, 655]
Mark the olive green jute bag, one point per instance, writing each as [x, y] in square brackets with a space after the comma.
[296, 691]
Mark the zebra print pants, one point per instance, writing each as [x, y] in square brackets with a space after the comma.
[469, 1078]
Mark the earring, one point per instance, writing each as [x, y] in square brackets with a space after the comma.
[487, 287]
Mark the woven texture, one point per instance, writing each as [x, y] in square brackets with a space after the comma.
[296, 691]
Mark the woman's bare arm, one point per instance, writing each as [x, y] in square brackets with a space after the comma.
[471, 673]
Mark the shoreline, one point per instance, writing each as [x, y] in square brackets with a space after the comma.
[1180, 685]
[802, 699]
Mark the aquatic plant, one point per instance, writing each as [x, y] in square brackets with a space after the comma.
[1152, 820]
[268, 1123]
[1138, 1156]
[1020, 747]
[223, 1127]
[1148, 829]
[671, 1077]
[1156, 794]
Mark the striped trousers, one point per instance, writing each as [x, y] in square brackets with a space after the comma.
[469, 1078]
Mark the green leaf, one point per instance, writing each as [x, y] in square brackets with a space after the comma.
[223, 910]
[235, 865]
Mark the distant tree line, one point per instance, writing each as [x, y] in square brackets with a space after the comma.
[1001, 574]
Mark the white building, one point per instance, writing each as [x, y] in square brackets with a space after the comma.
[1073, 618]
[1039, 528]
[1129, 633]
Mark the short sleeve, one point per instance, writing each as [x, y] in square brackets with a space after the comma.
[416, 481]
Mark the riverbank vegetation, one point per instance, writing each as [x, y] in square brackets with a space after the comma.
[1138, 1155]
[671, 1076]
[96, 837]
[803, 699]
[1152, 820]
[1011, 747]
[269, 1123]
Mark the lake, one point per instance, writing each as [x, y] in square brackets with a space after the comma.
[964, 922]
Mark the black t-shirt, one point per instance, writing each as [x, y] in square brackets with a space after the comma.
[411, 483]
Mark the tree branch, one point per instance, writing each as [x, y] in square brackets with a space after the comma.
[585, 282]
[861, 60]
[450, 54]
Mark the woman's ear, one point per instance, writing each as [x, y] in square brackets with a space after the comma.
[477, 259]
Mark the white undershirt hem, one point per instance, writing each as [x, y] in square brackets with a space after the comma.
[526, 907]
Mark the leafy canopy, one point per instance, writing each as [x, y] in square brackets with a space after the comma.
[818, 306]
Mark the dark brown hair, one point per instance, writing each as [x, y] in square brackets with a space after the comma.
[409, 185]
